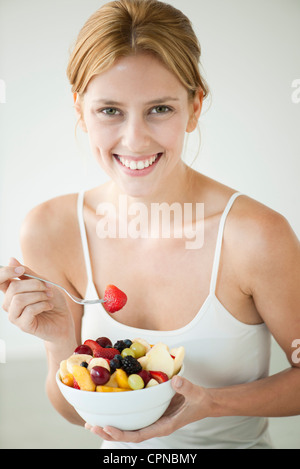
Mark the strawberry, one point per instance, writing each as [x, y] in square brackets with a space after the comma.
[107, 353]
[160, 376]
[115, 299]
[102, 352]
[94, 346]
[75, 384]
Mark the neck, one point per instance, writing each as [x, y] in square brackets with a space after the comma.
[178, 189]
[159, 213]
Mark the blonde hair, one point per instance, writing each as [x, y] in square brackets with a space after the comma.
[127, 27]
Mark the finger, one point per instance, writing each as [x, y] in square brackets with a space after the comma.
[182, 385]
[99, 432]
[19, 302]
[13, 262]
[27, 285]
[131, 436]
[7, 274]
[19, 287]
[28, 321]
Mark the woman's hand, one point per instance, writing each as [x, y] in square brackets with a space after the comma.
[189, 404]
[34, 306]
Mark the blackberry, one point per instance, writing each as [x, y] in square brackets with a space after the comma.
[120, 345]
[131, 365]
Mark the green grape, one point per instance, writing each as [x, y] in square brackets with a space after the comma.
[127, 351]
[135, 382]
[139, 349]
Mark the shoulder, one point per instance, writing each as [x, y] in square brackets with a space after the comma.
[48, 228]
[261, 239]
[48, 217]
[259, 225]
[249, 223]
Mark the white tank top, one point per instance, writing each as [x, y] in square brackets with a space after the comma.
[220, 351]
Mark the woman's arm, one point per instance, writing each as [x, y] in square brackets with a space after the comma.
[48, 247]
[275, 396]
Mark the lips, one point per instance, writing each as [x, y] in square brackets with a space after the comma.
[138, 164]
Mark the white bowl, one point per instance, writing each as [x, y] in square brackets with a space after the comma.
[129, 410]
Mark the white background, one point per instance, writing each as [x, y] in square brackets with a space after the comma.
[249, 134]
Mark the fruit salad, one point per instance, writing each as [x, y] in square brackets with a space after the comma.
[128, 365]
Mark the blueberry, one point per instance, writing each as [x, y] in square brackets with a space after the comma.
[127, 342]
[84, 364]
[115, 363]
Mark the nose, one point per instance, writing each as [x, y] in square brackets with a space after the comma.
[136, 134]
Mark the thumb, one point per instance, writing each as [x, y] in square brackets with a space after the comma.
[182, 385]
[13, 262]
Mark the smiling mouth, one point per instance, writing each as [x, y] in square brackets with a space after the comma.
[138, 165]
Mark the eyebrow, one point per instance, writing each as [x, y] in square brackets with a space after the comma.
[108, 102]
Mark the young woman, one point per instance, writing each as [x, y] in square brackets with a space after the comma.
[138, 90]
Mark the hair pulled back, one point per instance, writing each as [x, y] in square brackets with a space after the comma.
[127, 27]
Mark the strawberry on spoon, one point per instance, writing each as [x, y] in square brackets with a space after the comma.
[114, 298]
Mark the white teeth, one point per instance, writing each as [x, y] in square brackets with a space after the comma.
[138, 164]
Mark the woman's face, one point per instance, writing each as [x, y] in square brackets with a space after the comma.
[136, 115]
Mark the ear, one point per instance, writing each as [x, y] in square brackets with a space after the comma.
[78, 106]
[195, 111]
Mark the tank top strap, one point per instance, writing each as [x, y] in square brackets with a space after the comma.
[85, 247]
[215, 268]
